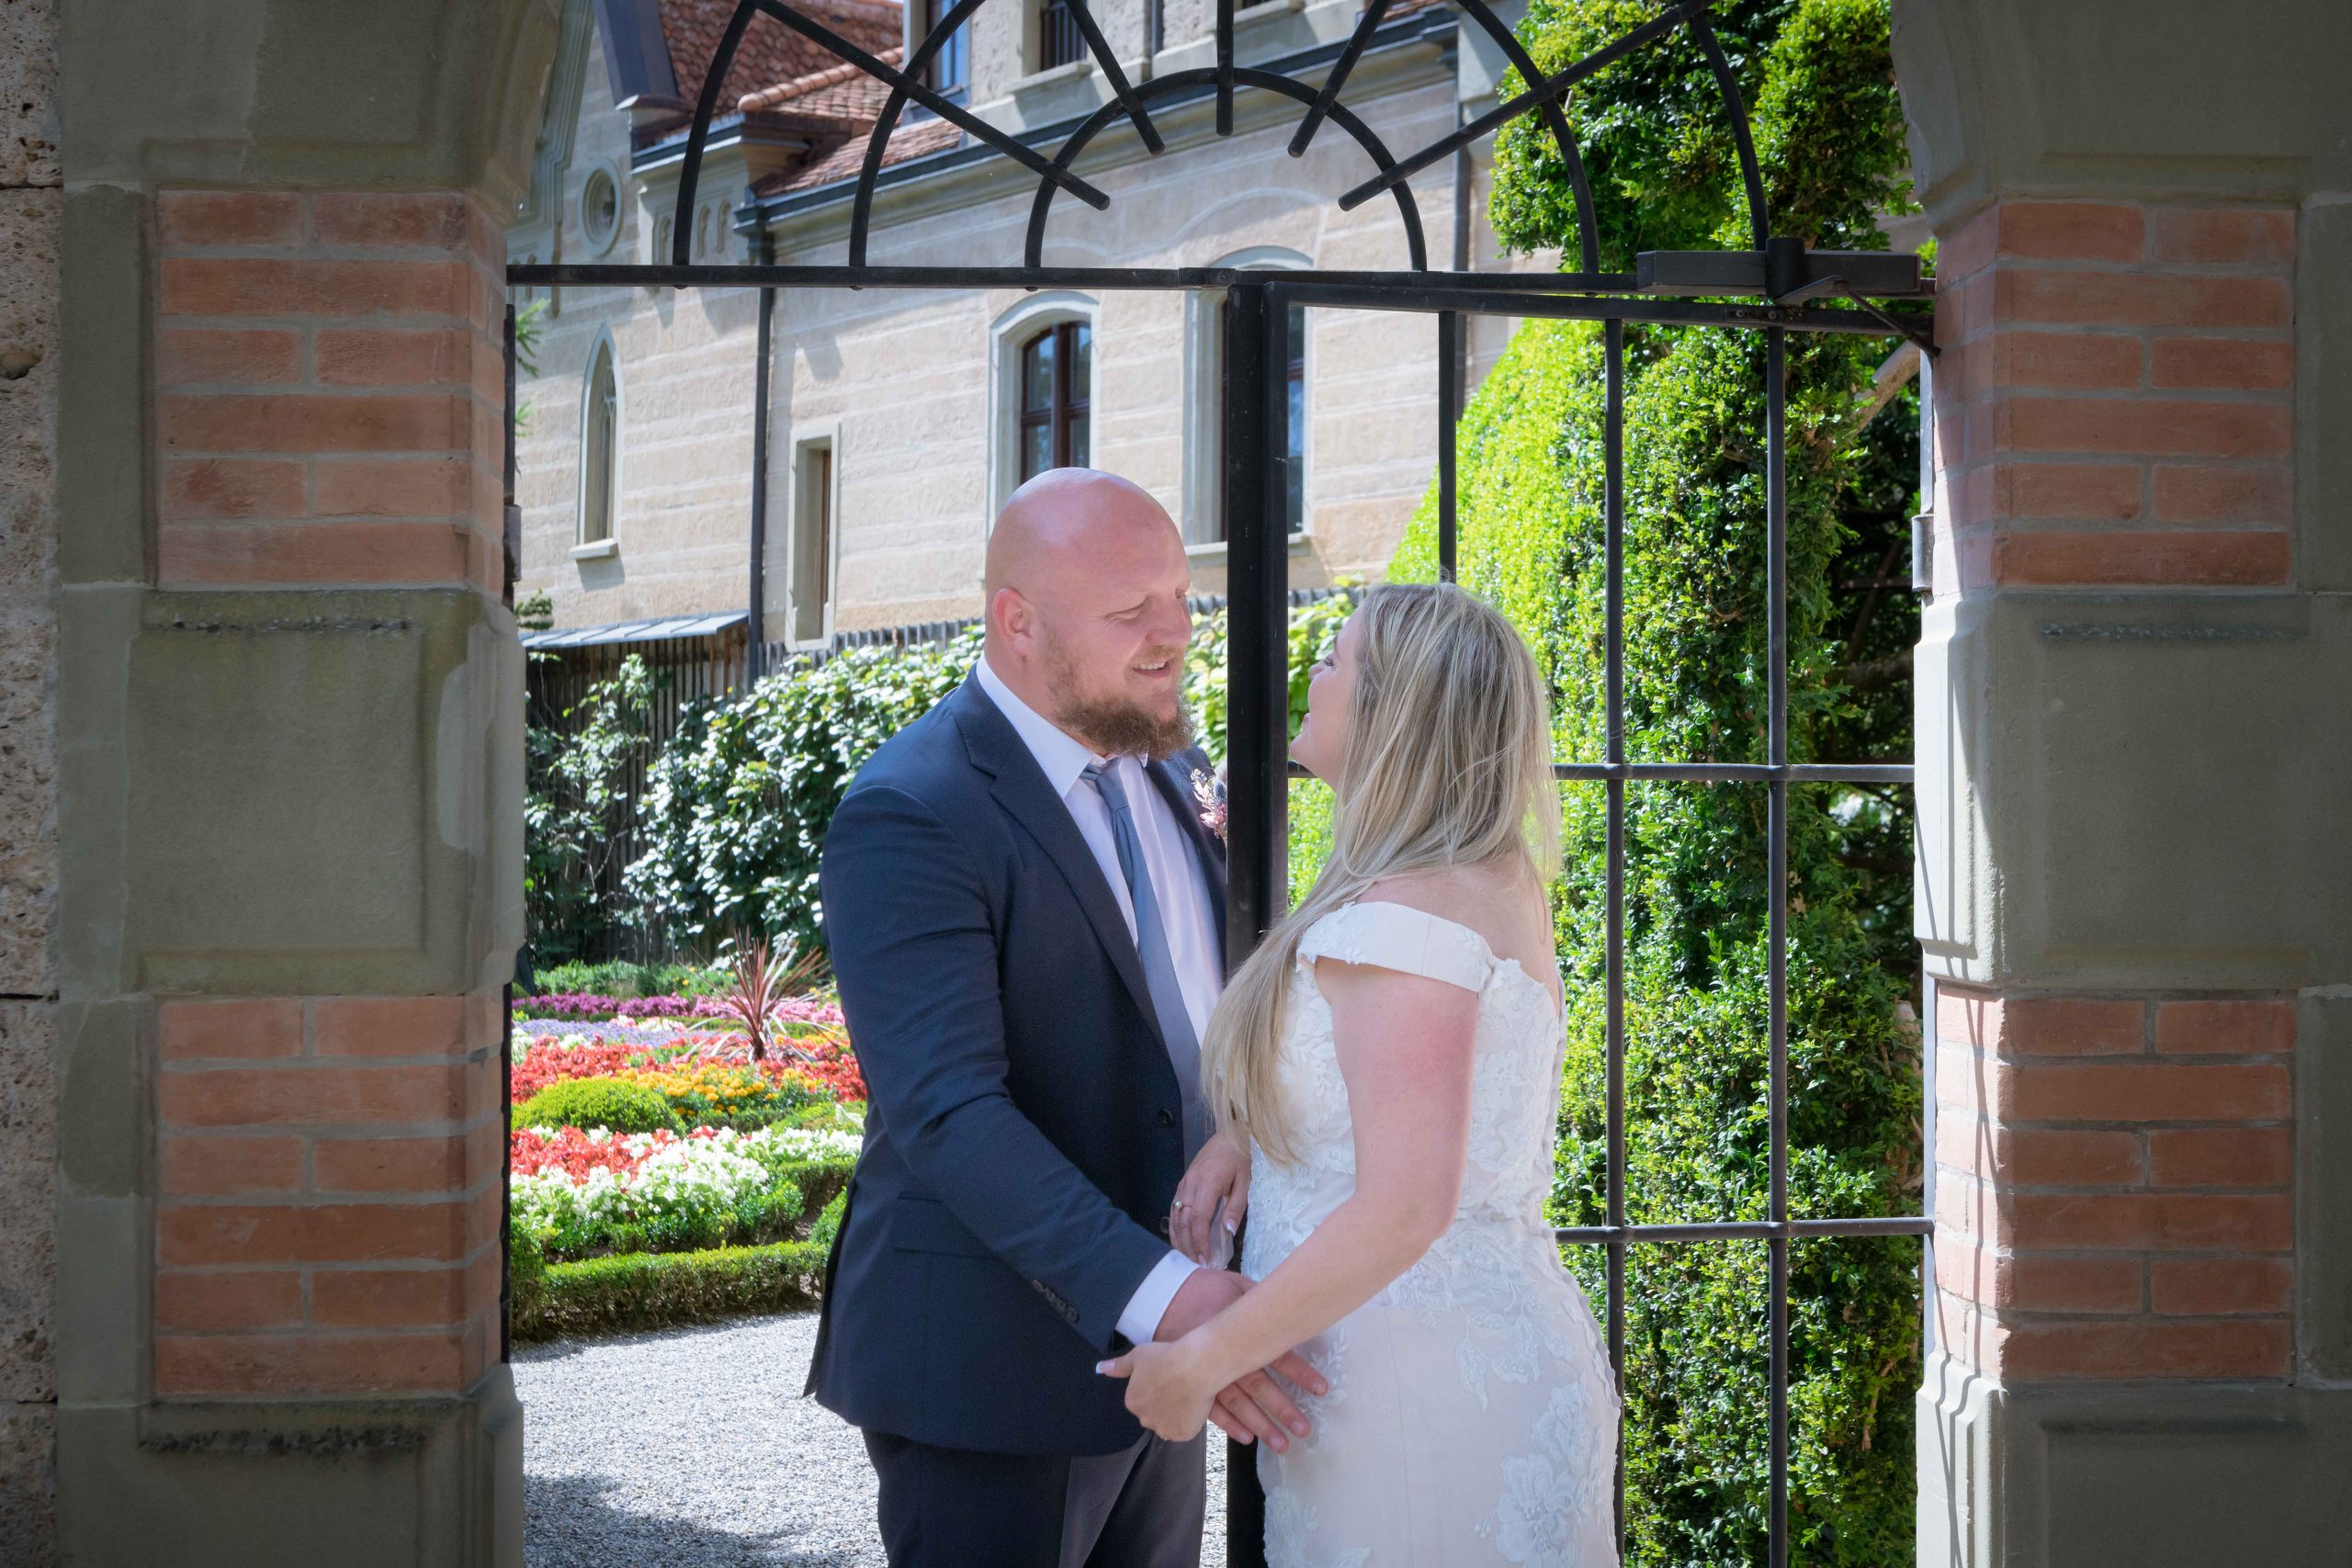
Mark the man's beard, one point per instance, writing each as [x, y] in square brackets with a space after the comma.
[1112, 725]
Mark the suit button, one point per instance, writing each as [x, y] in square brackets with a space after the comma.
[1168, 1118]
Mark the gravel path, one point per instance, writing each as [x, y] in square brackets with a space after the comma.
[692, 1447]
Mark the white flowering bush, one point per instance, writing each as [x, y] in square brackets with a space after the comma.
[591, 1190]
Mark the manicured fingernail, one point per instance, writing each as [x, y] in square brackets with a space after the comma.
[1232, 1225]
[1103, 1367]
[1300, 1426]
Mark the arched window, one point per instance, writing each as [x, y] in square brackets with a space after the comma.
[1204, 407]
[1056, 398]
[599, 446]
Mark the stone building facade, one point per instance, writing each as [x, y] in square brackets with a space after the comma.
[895, 425]
[261, 794]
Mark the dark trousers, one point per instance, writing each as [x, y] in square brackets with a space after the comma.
[954, 1508]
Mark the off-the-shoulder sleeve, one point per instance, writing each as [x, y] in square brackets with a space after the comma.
[1392, 936]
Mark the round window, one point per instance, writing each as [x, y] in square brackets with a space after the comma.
[600, 209]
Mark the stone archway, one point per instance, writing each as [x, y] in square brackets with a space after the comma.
[262, 759]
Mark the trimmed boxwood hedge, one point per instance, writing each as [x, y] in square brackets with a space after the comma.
[614, 1102]
[658, 1290]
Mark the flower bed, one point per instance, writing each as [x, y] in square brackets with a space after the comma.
[633, 1229]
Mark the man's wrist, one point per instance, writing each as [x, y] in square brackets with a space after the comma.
[1139, 1323]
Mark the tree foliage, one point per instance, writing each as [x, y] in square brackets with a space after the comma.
[574, 810]
[1665, 175]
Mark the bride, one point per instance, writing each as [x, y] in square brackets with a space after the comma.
[1385, 1069]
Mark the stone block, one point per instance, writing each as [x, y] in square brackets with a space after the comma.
[29, 1197]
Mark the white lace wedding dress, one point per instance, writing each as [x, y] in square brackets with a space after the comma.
[1471, 1417]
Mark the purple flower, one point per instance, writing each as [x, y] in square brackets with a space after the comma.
[1209, 794]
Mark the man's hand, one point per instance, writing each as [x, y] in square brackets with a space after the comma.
[1253, 1406]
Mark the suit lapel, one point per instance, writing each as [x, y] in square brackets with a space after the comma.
[1020, 788]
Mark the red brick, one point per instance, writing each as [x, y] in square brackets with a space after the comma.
[1965, 1207]
[391, 218]
[397, 487]
[248, 217]
[2071, 231]
[1969, 246]
[2165, 427]
[2035, 1282]
[2066, 360]
[2144, 1220]
[442, 357]
[389, 1026]
[2218, 1286]
[2027, 294]
[2233, 1027]
[293, 422]
[2044, 1157]
[2168, 557]
[316, 553]
[199, 1233]
[210, 488]
[228, 1298]
[258, 356]
[1974, 1085]
[2087, 493]
[2142, 1347]
[267, 1364]
[254, 286]
[218, 1166]
[192, 1029]
[2208, 492]
[2065, 1026]
[390, 1298]
[302, 1094]
[2224, 234]
[2134, 1091]
[2222, 363]
[450, 1164]
[2220, 1157]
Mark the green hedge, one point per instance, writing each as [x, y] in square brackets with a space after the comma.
[617, 1103]
[736, 807]
[1532, 458]
[658, 1290]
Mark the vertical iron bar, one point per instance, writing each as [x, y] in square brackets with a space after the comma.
[1256, 708]
[1614, 505]
[1449, 332]
[755, 626]
[511, 555]
[1224, 67]
[1776, 543]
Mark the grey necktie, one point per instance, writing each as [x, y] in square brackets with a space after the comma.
[1158, 966]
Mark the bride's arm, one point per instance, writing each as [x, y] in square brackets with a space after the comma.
[1405, 1050]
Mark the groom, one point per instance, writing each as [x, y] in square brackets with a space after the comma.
[1026, 917]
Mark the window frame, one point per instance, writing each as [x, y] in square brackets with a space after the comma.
[603, 355]
[805, 441]
[1203, 508]
[1007, 335]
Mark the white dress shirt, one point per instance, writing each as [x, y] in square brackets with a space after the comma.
[1179, 887]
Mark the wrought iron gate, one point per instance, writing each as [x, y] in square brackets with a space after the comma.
[1772, 287]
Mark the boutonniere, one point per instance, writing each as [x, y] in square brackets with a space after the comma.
[1208, 796]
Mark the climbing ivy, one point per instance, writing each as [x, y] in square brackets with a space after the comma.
[1665, 175]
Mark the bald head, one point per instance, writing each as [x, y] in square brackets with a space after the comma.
[1086, 580]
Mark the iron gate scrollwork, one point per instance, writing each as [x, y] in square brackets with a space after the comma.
[1774, 288]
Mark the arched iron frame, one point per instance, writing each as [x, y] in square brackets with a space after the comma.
[1781, 281]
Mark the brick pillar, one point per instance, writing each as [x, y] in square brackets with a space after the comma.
[2115, 397]
[329, 1169]
[2119, 677]
[2115, 1185]
[330, 380]
[329, 1179]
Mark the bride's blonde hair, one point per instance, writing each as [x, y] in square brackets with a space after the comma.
[1449, 762]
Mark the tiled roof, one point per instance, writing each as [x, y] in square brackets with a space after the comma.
[770, 51]
[842, 159]
[843, 93]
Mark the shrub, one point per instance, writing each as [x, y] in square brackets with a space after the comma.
[574, 810]
[622, 1104]
[1531, 538]
[658, 1290]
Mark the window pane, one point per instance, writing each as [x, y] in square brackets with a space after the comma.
[597, 502]
[1082, 364]
[1295, 449]
[1079, 456]
[1036, 449]
[1037, 374]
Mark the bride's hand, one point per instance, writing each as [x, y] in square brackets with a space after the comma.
[1220, 1171]
[1165, 1390]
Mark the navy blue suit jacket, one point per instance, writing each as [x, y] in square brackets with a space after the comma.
[1024, 1139]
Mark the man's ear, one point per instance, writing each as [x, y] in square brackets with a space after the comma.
[1011, 618]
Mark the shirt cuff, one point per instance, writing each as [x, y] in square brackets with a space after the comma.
[1140, 1321]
